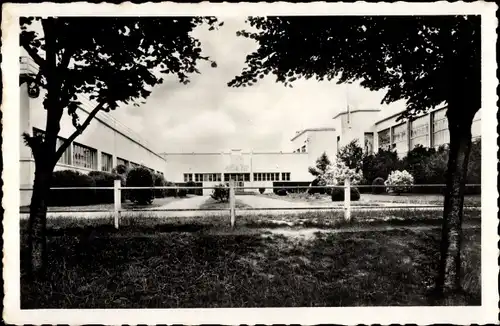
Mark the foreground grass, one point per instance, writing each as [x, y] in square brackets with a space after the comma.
[149, 222]
[211, 203]
[209, 268]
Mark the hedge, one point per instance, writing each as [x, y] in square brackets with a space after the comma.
[140, 177]
[71, 197]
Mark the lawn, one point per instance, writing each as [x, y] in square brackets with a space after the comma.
[157, 202]
[378, 199]
[102, 268]
[211, 203]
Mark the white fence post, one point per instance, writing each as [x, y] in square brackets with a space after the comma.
[347, 199]
[232, 202]
[117, 202]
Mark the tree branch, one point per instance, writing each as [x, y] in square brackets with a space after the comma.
[35, 56]
[78, 130]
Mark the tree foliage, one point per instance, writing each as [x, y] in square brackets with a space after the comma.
[322, 165]
[424, 60]
[352, 155]
[111, 60]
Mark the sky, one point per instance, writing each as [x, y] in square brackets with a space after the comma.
[208, 116]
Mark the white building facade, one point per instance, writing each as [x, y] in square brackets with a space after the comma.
[103, 145]
[370, 127]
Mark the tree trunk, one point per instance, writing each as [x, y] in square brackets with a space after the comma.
[38, 220]
[448, 280]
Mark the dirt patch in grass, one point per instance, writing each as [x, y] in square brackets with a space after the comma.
[207, 269]
[211, 203]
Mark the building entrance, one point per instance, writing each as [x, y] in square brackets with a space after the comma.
[239, 180]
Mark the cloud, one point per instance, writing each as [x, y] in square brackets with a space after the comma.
[207, 115]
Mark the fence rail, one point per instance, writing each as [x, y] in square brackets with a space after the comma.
[346, 206]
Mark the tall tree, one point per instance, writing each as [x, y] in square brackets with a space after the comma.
[110, 60]
[352, 155]
[322, 165]
[425, 61]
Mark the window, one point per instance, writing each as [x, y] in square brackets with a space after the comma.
[120, 161]
[384, 139]
[419, 132]
[246, 176]
[303, 149]
[84, 156]
[400, 138]
[338, 143]
[188, 177]
[66, 156]
[369, 142]
[106, 162]
[285, 176]
[440, 132]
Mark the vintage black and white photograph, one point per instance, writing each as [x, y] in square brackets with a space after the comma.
[223, 159]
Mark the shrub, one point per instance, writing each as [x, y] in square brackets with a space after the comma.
[282, 192]
[399, 181]
[191, 184]
[140, 177]
[104, 179]
[317, 183]
[262, 190]
[221, 193]
[71, 197]
[338, 194]
[170, 192]
[380, 164]
[160, 182]
[181, 192]
[378, 182]
[120, 169]
[339, 172]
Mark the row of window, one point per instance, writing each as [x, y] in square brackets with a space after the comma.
[300, 150]
[420, 132]
[86, 157]
[217, 177]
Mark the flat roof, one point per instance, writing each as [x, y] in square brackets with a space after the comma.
[437, 108]
[354, 111]
[311, 129]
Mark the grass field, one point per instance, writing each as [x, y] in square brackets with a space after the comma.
[157, 202]
[211, 267]
[376, 200]
[211, 203]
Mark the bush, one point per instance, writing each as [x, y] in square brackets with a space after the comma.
[282, 192]
[120, 169]
[181, 192]
[140, 177]
[380, 165]
[170, 192]
[399, 182]
[104, 179]
[160, 182]
[317, 183]
[378, 182]
[221, 193]
[191, 184]
[71, 197]
[262, 190]
[338, 194]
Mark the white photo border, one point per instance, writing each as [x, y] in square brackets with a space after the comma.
[486, 313]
